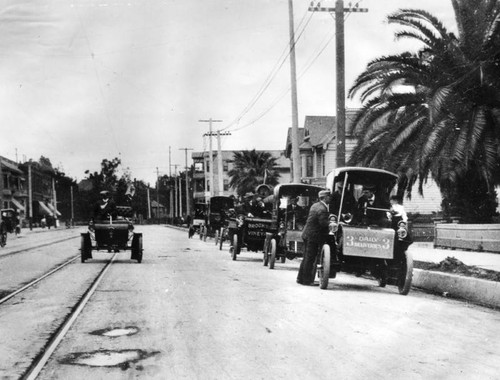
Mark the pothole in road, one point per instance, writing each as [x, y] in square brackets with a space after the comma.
[114, 332]
[107, 358]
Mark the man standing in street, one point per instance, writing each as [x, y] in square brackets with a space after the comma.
[314, 234]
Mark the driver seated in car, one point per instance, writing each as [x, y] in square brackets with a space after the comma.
[372, 208]
[105, 208]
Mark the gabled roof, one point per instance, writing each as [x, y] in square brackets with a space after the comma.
[317, 127]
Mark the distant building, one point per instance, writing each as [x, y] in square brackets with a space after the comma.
[13, 188]
[318, 157]
[201, 176]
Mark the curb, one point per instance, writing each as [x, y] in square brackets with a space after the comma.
[479, 291]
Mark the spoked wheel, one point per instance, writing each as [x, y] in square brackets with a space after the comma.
[236, 246]
[137, 247]
[324, 266]
[221, 239]
[85, 247]
[272, 253]
[266, 253]
[217, 237]
[405, 274]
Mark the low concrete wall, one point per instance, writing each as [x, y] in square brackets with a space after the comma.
[476, 237]
[475, 290]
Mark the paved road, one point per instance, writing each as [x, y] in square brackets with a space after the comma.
[189, 311]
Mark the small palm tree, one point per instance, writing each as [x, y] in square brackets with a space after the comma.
[252, 168]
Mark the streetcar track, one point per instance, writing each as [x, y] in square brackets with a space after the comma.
[41, 359]
[38, 246]
[30, 284]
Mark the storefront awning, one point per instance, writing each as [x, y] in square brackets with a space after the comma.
[52, 208]
[18, 204]
[44, 209]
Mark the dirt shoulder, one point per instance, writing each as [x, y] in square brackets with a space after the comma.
[452, 265]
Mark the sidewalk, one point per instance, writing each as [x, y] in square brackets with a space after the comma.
[425, 251]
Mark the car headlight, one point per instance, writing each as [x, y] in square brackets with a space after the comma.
[402, 230]
[347, 218]
[333, 225]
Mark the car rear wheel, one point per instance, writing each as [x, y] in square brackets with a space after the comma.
[217, 237]
[272, 253]
[405, 274]
[236, 246]
[265, 252]
[85, 247]
[324, 266]
[221, 239]
[137, 248]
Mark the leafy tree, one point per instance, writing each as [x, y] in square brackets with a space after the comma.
[252, 168]
[436, 112]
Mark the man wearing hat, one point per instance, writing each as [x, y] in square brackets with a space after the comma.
[105, 208]
[314, 233]
[372, 209]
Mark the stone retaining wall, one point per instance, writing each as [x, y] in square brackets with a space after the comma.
[475, 237]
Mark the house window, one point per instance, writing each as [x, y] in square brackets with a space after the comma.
[6, 181]
[225, 166]
[309, 166]
[323, 167]
[226, 185]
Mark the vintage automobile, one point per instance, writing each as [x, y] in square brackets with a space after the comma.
[112, 235]
[249, 227]
[365, 239]
[218, 209]
[290, 208]
[9, 224]
[199, 220]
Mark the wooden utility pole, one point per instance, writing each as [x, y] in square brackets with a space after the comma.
[158, 195]
[174, 198]
[340, 69]
[188, 198]
[295, 113]
[210, 157]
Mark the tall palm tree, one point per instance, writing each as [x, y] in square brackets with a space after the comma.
[436, 112]
[252, 168]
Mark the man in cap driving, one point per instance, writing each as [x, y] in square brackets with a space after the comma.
[314, 233]
[105, 208]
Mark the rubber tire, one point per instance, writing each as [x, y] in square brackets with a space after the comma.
[236, 247]
[137, 248]
[85, 247]
[405, 274]
[324, 270]
[221, 240]
[217, 237]
[272, 253]
[265, 251]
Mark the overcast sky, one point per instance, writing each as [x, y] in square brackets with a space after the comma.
[83, 80]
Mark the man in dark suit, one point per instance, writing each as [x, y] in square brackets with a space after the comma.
[314, 234]
[372, 208]
[105, 208]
